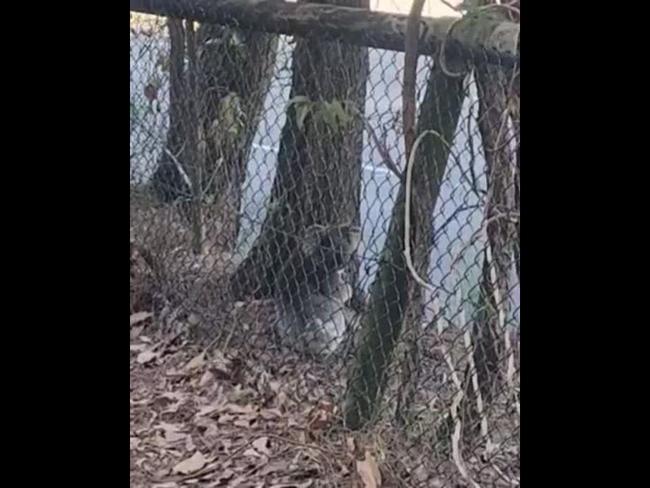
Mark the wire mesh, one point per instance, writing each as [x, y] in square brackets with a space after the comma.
[268, 192]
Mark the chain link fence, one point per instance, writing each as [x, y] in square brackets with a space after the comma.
[270, 200]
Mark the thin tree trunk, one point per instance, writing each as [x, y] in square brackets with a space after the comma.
[488, 328]
[235, 71]
[487, 354]
[389, 295]
[514, 109]
[215, 108]
[424, 202]
[168, 182]
[191, 152]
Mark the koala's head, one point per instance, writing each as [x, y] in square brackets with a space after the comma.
[341, 239]
[353, 237]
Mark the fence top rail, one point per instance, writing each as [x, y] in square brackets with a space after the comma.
[479, 39]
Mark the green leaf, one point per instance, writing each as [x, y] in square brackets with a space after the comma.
[301, 114]
[297, 100]
[343, 118]
[328, 115]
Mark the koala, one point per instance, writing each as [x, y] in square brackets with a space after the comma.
[314, 289]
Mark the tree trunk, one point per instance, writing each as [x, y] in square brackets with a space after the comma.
[190, 136]
[318, 179]
[502, 191]
[215, 108]
[514, 114]
[389, 295]
[514, 107]
[487, 354]
[424, 201]
[235, 69]
[168, 181]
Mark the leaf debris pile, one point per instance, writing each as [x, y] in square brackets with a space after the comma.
[205, 418]
[255, 415]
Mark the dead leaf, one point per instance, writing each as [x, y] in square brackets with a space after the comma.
[240, 394]
[138, 317]
[167, 427]
[206, 379]
[195, 363]
[282, 399]
[239, 481]
[212, 431]
[136, 331]
[174, 396]
[238, 409]
[173, 437]
[225, 419]
[172, 408]
[295, 462]
[174, 373]
[172, 432]
[190, 465]
[350, 444]
[252, 453]
[206, 411]
[262, 445]
[221, 373]
[189, 444]
[245, 424]
[224, 477]
[158, 441]
[277, 467]
[321, 417]
[147, 356]
[159, 474]
[170, 402]
[369, 472]
[306, 484]
[270, 413]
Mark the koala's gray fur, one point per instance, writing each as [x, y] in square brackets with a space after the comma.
[313, 297]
